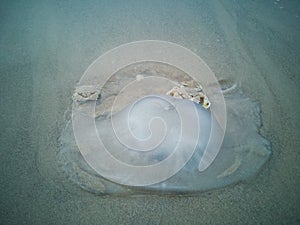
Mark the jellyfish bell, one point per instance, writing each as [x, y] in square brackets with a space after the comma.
[133, 138]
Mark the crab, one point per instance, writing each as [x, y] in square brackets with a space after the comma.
[187, 90]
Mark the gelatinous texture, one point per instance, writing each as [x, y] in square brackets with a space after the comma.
[128, 136]
[242, 154]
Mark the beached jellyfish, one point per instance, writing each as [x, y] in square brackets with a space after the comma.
[148, 122]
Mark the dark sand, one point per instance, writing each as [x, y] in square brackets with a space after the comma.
[45, 46]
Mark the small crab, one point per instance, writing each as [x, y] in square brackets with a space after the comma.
[85, 93]
[187, 90]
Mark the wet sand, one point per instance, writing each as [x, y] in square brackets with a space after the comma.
[46, 47]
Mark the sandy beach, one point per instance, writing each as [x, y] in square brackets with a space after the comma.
[47, 45]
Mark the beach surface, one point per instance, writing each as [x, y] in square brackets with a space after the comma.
[45, 47]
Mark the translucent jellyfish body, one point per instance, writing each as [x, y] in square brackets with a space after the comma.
[127, 136]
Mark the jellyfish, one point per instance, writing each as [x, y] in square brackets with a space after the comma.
[130, 135]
